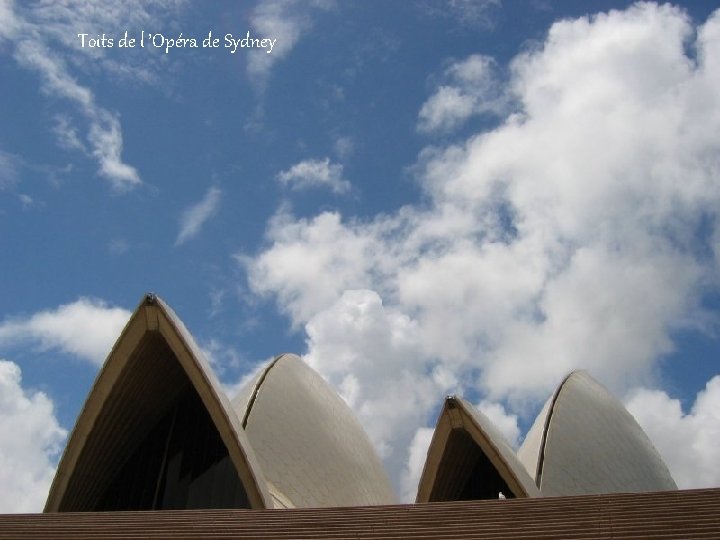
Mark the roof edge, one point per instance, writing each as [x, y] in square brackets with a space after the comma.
[458, 413]
[154, 315]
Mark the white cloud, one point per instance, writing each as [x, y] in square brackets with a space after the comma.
[195, 217]
[8, 22]
[506, 423]
[687, 442]
[59, 23]
[302, 251]
[572, 235]
[26, 200]
[417, 455]
[284, 20]
[45, 41]
[315, 173]
[67, 134]
[104, 134]
[31, 441]
[470, 87]
[86, 328]
[220, 356]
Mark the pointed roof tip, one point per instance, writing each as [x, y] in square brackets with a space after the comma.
[463, 438]
[154, 317]
[576, 373]
[573, 374]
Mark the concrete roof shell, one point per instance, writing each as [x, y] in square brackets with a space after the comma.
[458, 414]
[124, 402]
[584, 441]
[312, 449]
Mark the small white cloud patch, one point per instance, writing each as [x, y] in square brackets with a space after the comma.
[86, 328]
[471, 87]
[194, 218]
[315, 173]
[284, 20]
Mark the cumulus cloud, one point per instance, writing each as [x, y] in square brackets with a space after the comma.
[303, 250]
[86, 328]
[32, 439]
[688, 442]
[45, 41]
[194, 218]
[315, 173]
[470, 87]
[578, 233]
[284, 20]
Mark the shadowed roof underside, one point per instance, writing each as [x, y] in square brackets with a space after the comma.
[584, 441]
[469, 458]
[154, 363]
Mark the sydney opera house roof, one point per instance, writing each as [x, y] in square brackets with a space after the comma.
[158, 433]
[584, 441]
[311, 448]
[470, 459]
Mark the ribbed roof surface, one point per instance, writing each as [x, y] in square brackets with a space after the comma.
[672, 514]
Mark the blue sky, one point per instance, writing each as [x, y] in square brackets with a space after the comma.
[474, 196]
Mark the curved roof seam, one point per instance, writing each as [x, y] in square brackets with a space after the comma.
[261, 380]
[546, 428]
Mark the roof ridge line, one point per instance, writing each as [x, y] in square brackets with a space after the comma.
[252, 399]
[546, 427]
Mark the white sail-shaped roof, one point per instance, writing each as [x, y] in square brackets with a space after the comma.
[584, 441]
[311, 448]
[154, 363]
[469, 458]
